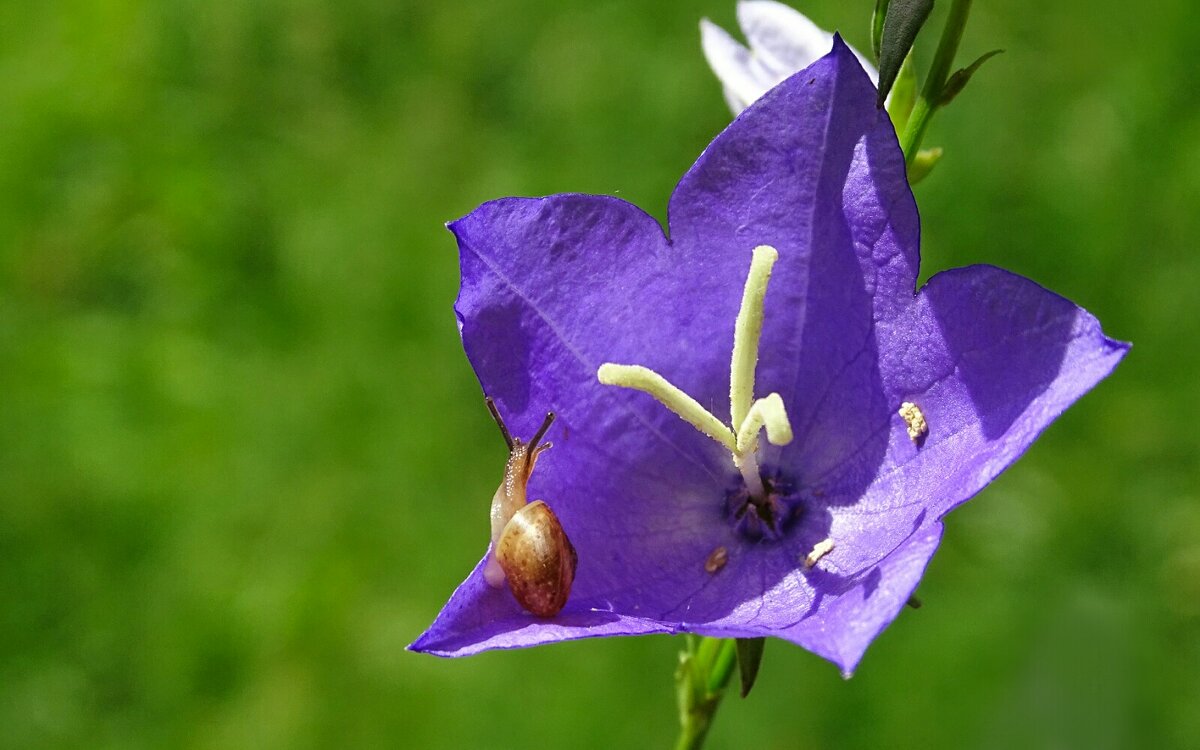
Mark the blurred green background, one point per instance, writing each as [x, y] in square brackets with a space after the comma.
[243, 460]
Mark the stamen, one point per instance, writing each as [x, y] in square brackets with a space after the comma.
[819, 550]
[746, 332]
[914, 421]
[748, 416]
[747, 464]
[766, 412]
[687, 408]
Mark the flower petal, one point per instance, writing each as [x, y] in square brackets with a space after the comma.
[844, 625]
[784, 39]
[479, 618]
[730, 61]
[782, 42]
[814, 170]
[991, 359]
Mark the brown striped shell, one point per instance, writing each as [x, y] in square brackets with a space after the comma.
[538, 559]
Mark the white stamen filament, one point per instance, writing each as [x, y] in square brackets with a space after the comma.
[766, 412]
[747, 330]
[748, 416]
[648, 381]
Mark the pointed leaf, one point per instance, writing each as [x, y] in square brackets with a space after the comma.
[749, 653]
[904, 18]
[877, 17]
[956, 82]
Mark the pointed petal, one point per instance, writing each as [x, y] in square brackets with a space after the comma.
[730, 61]
[784, 38]
[813, 169]
[842, 629]
[991, 359]
[480, 618]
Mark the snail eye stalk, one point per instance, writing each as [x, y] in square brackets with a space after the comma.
[491, 405]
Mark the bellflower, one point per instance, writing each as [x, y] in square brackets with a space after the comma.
[782, 41]
[789, 268]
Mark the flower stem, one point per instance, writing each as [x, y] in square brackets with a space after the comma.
[931, 95]
[704, 672]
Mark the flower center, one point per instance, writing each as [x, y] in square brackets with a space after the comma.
[766, 516]
[749, 416]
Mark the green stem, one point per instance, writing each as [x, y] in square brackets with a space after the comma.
[704, 673]
[723, 664]
[930, 97]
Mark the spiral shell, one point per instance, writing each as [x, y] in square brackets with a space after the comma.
[538, 559]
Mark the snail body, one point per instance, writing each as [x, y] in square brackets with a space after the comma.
[530, 552]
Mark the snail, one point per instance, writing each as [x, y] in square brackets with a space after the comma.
[530, 551]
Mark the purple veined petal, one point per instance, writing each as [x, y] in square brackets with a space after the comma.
[479, 618]
[845, 224]
[853, 610]
[991, 359]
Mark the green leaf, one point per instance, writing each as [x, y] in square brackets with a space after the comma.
[877, 26]
[956, 82]
[749, 654]
[904, 18]
[904, 94]
[923, 164]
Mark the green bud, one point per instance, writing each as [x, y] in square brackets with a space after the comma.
[902, 21]
[923, 164]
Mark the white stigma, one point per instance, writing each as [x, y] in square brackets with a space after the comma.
[749, 416]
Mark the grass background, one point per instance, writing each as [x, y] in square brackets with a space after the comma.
[243, 460]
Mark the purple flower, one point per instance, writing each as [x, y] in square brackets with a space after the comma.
[900, 404]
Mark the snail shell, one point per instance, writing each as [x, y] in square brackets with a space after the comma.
[530, 551]
[538, 559]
